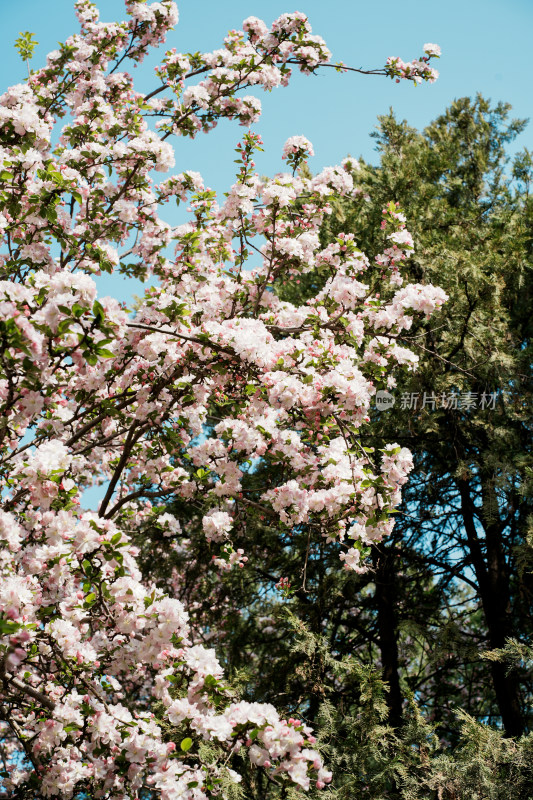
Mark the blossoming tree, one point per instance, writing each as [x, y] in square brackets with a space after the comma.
[103, 693]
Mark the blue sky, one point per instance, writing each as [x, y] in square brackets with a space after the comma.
[485, 43]
[486, 47]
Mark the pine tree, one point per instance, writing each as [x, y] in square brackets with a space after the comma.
[464, 513]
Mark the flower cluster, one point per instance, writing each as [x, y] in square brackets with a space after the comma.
[106, 693]
[417, 70]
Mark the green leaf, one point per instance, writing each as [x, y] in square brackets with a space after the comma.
[90, 358]
[78, 310]
[8, 627]
[186, 744]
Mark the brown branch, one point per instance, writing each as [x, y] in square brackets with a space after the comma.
[39, 696]
[131, 439]
[218, 347]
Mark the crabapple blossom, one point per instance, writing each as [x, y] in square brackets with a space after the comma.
[216, 525]
[104, 690]
[432, 50]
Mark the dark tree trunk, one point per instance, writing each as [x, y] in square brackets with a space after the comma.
[494, 593]
[385, 562]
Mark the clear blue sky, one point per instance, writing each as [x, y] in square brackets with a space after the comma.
[486, 47]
